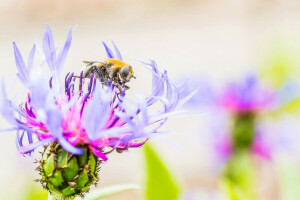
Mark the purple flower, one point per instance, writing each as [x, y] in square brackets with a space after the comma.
[247, 95]
[233, 114]
[98, 116]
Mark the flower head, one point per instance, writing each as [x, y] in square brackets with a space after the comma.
[237, 120]
[247, 96]
[84, 111]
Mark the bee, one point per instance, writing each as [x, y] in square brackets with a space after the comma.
[113, 70]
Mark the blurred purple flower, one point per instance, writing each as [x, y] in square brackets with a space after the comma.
[235, 99]
[247, 96]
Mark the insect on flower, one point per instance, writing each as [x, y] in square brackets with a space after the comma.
[80, 123]
[111, 70]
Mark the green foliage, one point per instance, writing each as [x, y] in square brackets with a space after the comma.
[231, 191]
[280, 65]
[160, 185]
[34, 192]
[108, 191]
[239, 177]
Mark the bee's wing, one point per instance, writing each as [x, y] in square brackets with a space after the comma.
[97, 63]
[89, 62]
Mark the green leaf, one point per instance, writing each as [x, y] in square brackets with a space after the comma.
[160, 185]
[49, 165]
[231, 191]
[108, 191]
[83, 158]
[35, 191]
[82, 180]
[57, 179]
[93, 164]
[62, 158]
[68, 191]
[280, 65]
[72, 170]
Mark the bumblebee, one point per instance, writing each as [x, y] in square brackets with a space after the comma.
[114, 70]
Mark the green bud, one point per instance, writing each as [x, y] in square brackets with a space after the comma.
[66, 175]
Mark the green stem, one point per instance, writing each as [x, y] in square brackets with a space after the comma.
[239, 170]
[243, 131]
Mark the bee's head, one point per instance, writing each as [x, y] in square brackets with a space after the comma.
[126, 73]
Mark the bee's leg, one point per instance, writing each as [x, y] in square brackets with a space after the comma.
[122, 83]
[121, 91]
[119, 86]
[126, 87]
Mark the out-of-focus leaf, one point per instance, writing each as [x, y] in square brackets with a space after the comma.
[289, 180]
[35, 193]
[108, 191]
[232, 192]
[292, 107]
[160, 185]
[239, 177]
[280, 65]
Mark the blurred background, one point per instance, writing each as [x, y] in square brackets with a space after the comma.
[213, 41]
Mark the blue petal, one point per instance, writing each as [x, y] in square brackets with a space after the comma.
[49, 49]
[49, 38]
[30, 58]
[144, 111]
[6, 106]
[118, 54]
[29, 137]
[97, 111]
[68, 147]
[23, 73]
[63, 53]
[54, 121]
[33, 146]
[109, 53]
[169, 88]
[39, 89]
[158, 79]
[19, 139]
